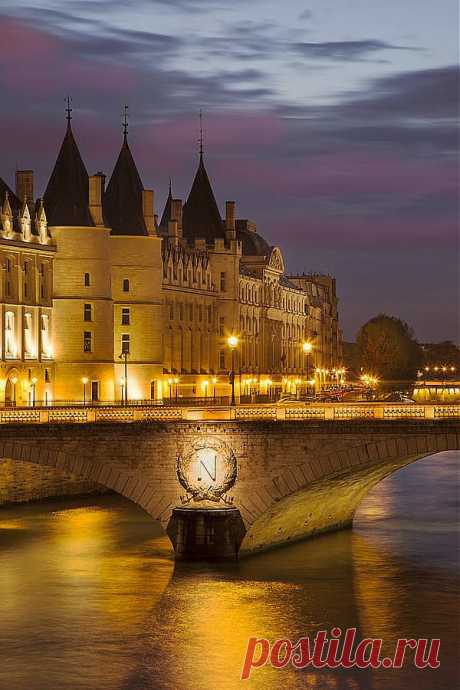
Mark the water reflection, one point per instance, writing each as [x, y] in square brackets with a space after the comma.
[93, 599]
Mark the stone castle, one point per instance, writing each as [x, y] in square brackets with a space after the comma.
[102, 301]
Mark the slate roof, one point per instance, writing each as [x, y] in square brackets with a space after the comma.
[12, 198]
[166, 216]
[122, 202]
[66, 195]
[201, 217]
[253, 244]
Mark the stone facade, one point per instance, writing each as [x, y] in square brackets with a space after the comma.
[94, 287]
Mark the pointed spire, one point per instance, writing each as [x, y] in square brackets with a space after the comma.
[125, 124]
[66, 196]
[201, 216]
[166, 215]
[201, 135]
[122, 203]
[68, 111]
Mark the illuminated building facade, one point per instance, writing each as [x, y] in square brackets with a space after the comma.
[103, 301]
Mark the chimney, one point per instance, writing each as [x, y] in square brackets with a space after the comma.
[96, 190]
[176, 214]
[147, 210]
[230, 219]
[25, 185]
[173, 232]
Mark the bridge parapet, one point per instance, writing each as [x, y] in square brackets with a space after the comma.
[241, 413]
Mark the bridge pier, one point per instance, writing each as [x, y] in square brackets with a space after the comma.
[200, 534]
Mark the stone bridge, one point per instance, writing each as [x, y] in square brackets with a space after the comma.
[296, 477]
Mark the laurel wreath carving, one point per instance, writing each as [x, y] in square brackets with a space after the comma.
[210, 493]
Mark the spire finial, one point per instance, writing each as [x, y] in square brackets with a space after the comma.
[170, 187]
[125, 122]
[68, 110]
[201, 134]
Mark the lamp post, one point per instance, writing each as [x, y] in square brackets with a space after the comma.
[14, 381]
[33, 384]
[124, 357]
[84, 382]
[214, 381]
[232, 342]
[176, 381]
[170, 383]
[307, 348]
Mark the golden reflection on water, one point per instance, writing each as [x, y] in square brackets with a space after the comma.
[92, 600]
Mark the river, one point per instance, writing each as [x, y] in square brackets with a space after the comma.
[91, 598]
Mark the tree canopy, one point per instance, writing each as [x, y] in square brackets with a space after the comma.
[388, 349]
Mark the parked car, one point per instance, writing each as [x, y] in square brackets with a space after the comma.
[398, 397]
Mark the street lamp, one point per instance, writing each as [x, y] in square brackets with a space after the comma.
[124, 356]
[33, 384]
[232, 342]
[307, 347]
[84, 382]
[170, 383]
[14, 381]
[176, 381]
[214, 381]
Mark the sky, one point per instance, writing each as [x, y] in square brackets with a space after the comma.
[332, 124]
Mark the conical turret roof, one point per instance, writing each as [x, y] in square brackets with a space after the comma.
[166, 216]
[123, 198]
[66, 195]
[201, 217]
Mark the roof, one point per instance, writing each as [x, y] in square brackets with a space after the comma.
[166, 217]
[122, 202]
[201, 217]
[252, 243]
[12, 198]
[66, 195]
[245, 271]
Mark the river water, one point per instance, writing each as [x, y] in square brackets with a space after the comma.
[91, 598]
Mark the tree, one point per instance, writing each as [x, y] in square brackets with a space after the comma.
[388, 349]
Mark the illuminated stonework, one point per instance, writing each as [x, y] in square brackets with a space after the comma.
[94, 287]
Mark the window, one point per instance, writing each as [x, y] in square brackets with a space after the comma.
[26, 289]
[171, 311]
[125, 285]
[221, 325]
[87, 341]
[10, 339]
[125, 316]
[222, 281]
[125, 344]
[87, 280]
[47, 375]
[28, 336]
[221, 360]
[200, 312]
[87, 312]
[209, 314]
[190, 312]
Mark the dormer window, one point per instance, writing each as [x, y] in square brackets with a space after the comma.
[126, 285]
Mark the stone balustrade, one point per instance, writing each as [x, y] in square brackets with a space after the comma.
[315, 412]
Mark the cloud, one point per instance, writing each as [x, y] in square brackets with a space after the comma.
[306, 15]
[344, 50]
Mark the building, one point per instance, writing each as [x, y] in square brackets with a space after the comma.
[101, 301]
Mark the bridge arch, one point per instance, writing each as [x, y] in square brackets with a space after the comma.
[148, 495]
[328, 490]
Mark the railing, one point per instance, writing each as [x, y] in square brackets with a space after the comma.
[138, 412]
